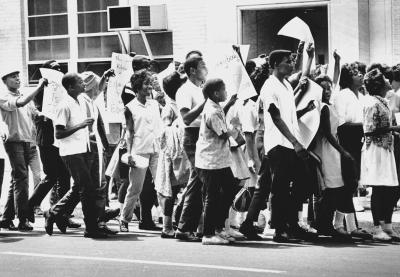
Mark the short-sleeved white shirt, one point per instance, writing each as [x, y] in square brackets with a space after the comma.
[68, 114]
[147, 126]
[189, 96]
[282, 96]
[348, 106]
[212, 152]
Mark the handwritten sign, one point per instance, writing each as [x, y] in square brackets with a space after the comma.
[122, 65]
[223, 62]
[54, 93]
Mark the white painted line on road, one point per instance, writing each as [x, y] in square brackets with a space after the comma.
[206, 266]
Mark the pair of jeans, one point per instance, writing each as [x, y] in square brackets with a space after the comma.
[261, 193]
[218, 185]
[85, 174]
[192, 203]
[136, 179]
[19, 154]
[289, 187]
[57, 178]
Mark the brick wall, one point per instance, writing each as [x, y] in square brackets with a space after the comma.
[396, 30]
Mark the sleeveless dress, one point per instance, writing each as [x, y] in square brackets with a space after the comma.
[330, 157]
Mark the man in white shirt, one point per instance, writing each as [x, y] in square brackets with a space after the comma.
[72, 131]
[285, 153]
[190, 101]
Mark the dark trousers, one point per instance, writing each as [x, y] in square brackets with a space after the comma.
[1, 174]
[192, 203]
[57, 178]
[332, 199]
[19, 154]
[218, 185]
[85, 174]
[289, 187]
[383, 201]
[261, 193]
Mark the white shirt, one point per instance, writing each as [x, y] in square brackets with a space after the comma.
[189, 96]
[212, 152]
[70, 113]
[147, 126]
[348, 106]
[282, 96]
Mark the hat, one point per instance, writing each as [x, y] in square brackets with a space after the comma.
[8, 72]
[90, 79]
[140, 62]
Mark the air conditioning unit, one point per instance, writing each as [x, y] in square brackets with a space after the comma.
[137, 17]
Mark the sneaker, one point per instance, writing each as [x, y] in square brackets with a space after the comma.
[123, 226]
[393, 234]
[224, 235]
[380, 235]
[186, 236]
[236, 234]
[214, 240]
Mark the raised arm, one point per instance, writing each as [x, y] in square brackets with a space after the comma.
[336, 71]
[25, 99]
[310, 57]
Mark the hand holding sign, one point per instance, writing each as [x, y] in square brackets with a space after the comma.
[54, 92]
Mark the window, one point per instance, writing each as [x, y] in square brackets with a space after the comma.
[98, 47]
[160, 43]
[34, 72]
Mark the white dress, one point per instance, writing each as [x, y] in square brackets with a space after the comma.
[330, 157]
[378, 166]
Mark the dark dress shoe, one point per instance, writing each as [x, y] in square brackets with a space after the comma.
[284, 238]
[149, 226]
[361, 234]
[301, 233]
[107, 230]
[61, 223]
[167, 236]
[24, 226]
[249, 231]
[95, 235]
[48, 222]
[8, 224]
[109, 214]
[186, 236]
[72, 224]
[31, 214]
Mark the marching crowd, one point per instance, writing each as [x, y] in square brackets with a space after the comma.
[225, 158]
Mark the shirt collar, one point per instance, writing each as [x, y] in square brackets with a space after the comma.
[284, 84]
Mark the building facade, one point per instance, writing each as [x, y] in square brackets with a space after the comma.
[74, 32]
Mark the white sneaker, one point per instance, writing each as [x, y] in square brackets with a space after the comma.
[235, 234]
[214, 240]
[380, 235]
[225, 236]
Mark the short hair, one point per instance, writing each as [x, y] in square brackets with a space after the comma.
[374, 81]
[323, 78]
[276, 57]
[361, 67]
[384, 69]
[212, 86]
[156, 65]
[140, 62]
[172, 83]
[396, 72]
[193, 52]
[192, 62]
[250, 67]
[138, 78]
[69, 79]
[346, 75]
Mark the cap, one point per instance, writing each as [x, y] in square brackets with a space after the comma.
[7, 73]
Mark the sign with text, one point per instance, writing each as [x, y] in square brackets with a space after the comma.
[122, 65]
[54, 93]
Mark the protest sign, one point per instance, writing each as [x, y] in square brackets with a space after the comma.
[223, 62]
[298, 29]
[122, 65]
[309, 122]
[54, 93]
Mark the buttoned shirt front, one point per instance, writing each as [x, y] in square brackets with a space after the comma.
[212, 152]
[68, 114]
[147, 126]
[282, 96]
[18, 119]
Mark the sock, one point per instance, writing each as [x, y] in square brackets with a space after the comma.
[338, 220]
[387, 227]
[350, 222]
